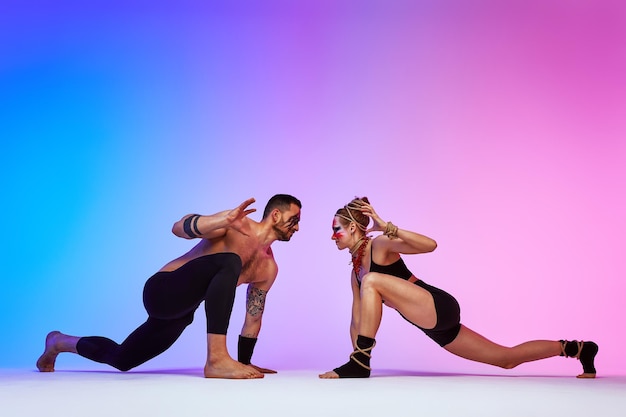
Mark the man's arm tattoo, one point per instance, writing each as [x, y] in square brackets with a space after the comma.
[256, 301]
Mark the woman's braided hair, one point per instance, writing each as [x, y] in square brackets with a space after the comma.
[351, 212]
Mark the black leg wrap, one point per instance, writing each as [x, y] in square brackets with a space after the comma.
[587, 356]
[245, 348]
[583, 351]
[359, 364]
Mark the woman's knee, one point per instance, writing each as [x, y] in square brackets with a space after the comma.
[371, 280]
[506, 360]
[508, 365]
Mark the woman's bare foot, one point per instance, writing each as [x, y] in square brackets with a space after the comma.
[329, 375]
[45, 363]
[229, 368]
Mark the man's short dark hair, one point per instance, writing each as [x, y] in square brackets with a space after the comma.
[282, 202]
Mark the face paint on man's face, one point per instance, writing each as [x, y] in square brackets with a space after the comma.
[293, 221]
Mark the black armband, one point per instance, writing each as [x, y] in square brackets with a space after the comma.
[187, 225]
[245, 347]
[195, 225]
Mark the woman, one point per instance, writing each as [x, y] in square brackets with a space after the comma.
[380, 276]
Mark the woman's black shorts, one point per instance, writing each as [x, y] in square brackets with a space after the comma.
[448, 315]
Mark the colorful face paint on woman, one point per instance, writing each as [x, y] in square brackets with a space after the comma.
[338, 230]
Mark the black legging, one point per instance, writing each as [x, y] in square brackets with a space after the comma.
[171, 298]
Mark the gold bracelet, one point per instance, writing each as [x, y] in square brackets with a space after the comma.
[391, 231]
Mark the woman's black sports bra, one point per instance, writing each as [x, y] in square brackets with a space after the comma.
[397, 269]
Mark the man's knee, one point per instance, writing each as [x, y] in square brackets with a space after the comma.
[231, 262]
[125, 363]
[124, 367]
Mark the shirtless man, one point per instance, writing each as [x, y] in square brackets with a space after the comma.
[233, 250]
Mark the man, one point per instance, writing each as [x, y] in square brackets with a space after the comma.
[233, 250]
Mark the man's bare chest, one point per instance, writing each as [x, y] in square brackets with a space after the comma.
[256, 266]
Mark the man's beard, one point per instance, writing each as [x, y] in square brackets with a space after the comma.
[283, 236]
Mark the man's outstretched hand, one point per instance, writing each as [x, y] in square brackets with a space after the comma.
[236, 216]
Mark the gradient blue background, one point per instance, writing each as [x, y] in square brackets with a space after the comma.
[497, 128]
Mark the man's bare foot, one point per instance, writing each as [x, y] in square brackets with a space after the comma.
[230, 369]
[45, 363]
[264, 370]
[329, 375]
[56, 342]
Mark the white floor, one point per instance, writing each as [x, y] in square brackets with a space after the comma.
[185, 392]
